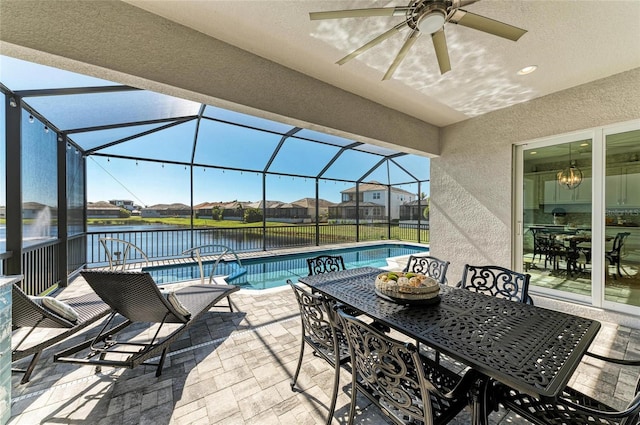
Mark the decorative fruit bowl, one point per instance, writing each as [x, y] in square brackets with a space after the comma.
[407, 288]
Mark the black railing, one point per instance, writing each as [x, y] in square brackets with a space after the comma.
[41, 263]
[170, 243]
[40, 267]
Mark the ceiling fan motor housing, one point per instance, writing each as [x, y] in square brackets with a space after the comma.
[428, 16]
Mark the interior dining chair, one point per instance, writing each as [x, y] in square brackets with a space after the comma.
[614, 256]
[497, 281]
[325, 263]
[429, 266]
[573, 407]
[321, 332]
[405, 386]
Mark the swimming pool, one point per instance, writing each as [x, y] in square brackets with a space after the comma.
[271, 272]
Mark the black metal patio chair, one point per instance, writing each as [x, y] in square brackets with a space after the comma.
[496, 281]
[429, 266]
[572, 407]
[321, 332]
[407, 387]
[28, 312]
[325, 263]
[136, 297]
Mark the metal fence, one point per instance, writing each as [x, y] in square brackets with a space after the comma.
[171, 243]
[41, 264]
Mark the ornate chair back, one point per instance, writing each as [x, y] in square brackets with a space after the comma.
[321, 333]
[573, 407]
[396, 378]
[325, 263]
[429, 266]
[496, 281]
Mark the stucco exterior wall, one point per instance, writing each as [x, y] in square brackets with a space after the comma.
[471, 182]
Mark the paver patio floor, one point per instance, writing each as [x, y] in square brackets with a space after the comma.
[234, 368]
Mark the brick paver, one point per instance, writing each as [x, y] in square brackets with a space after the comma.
[240, 374]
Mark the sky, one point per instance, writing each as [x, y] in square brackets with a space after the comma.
[150, 183]
[217, 144]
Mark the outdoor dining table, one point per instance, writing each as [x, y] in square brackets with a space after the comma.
[531, 349]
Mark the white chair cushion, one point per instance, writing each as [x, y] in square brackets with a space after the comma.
[175, 302]
[58, 307]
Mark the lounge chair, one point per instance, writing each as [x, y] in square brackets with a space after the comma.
[29, 313]
[136, 296]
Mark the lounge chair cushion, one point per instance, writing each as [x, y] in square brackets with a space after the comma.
[175, 302]
[58, 307]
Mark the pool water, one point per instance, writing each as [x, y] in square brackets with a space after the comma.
[272, 272]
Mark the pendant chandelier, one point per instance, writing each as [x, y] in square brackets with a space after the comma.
[570, 177]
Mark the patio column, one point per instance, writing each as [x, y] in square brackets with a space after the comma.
[63, 237]
[13, 118]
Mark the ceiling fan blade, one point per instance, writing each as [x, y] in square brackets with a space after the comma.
[359, 13]
[442, 53]
[402, 53]
[488, 25]
[379, 39]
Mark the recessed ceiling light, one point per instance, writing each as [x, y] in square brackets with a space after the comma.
[527, 69]
[584, 144]
[533, 152]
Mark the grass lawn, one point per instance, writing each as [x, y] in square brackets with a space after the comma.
[174, 221]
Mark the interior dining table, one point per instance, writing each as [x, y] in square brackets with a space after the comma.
[532, 349]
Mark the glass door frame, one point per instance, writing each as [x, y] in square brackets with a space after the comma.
[598, 205]
[518, 209]
[607, 131]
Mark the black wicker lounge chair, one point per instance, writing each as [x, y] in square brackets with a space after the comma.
[136, 296]
[27, 313]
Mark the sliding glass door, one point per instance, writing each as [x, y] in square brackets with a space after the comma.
[577, 203]
[622, 217]
[557, 215]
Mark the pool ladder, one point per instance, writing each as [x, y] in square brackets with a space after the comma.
[224, 250]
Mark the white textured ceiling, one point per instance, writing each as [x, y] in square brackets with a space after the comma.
[571, 42]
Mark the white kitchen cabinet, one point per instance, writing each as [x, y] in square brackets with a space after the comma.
[623, 187]
[556, 194]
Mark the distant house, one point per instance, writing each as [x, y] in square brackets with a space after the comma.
[372, 203]
[300, 211]
[102, 209]
[126, 204]
[166, 210]
[414, 210]
[32, 210]
[310, 205]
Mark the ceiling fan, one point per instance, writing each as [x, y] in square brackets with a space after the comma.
[423, 17]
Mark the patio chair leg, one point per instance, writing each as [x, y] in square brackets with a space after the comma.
[27, 372]
[334, 396]
[230, 305]
[295, 375]
[161, 362]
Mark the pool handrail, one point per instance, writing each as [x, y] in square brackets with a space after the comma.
[197, 249]
[127, 245]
